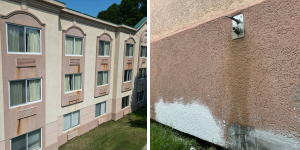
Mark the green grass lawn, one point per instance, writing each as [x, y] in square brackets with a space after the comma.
[165, 138]
[128, 133]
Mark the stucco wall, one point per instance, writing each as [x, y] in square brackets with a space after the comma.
[178, 14]
[7, 8]
[244, 92]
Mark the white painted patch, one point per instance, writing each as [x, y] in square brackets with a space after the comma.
[193, 118]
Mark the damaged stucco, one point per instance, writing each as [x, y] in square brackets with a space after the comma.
[249, 84]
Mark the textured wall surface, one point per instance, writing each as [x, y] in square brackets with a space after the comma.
[177, 14]
[250, 86]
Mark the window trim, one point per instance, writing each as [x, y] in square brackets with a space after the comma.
[82, 38]
[127, 76]
[141, 51]
[132, 50]
[71, 121]
[73, 82]
[109, 48]
[100, 109]
[143, 97]
[30, 53]
[102, 79]
[27, 138]
[122, 102]
[145, 74]
[27, 103]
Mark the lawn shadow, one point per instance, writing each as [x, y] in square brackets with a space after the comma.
[138, 118]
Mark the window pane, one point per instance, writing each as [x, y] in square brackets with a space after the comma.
[140, 73]
[75, 118]
[78, 46]
[125, 75]
[105, 77]
[33, 90]
[103, 108]
[106, 48]
[34, 140]
[127, 101]
[129, 75]
[69, 45]
[17, 92]
[33, 40]
[127, 49]
[100, 78]
[68, 83]
[101, 48]
[15, 35]
[77, 81]
[123, 102]
[18, 143]
[97, 113]
[143, 51]
[67, 121]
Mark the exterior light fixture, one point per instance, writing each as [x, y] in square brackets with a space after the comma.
[237, 26]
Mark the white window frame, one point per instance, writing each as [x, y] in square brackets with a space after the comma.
[132, 50]
[100, 109]
[102, 79]
[27, 103]
[128, 76]
[122, 102]
[104, 44]
[24, 40]
[74, 45]
[143, 97]
[141, 51]
[145, 73]
[73, 79]
[27, 138]
[71, 121]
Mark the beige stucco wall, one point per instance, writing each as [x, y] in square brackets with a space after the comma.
[6, 7]
[52, 65]
[90, 59]
[121, 39]
[178, 14]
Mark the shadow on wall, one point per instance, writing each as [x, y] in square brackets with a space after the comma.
[138, 117]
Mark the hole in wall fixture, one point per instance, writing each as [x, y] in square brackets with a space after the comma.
[237, 26]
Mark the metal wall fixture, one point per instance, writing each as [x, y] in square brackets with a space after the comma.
[237, 26]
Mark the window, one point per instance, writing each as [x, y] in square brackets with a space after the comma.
[142, 73]
[127, 75]
[144, 51]
[100, 109]
[140, 96]
[125, 102]
[102, 78]
[71, 120]
[25, 91]
[72, 82]
[22, 39]
[129, 50]
[74, 45]
[28, 141]
[104, 48]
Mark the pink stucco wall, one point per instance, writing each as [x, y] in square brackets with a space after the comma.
[250, 86]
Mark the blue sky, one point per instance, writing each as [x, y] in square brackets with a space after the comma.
[90, 7]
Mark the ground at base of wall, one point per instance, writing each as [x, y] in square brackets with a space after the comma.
[165, 137]
[129, 132]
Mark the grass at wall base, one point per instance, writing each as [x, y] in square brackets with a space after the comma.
[127, 133]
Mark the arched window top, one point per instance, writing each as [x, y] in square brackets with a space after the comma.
[105, 37]
[74, 31]
[144, 37]
[24, 18]
[130, 40]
